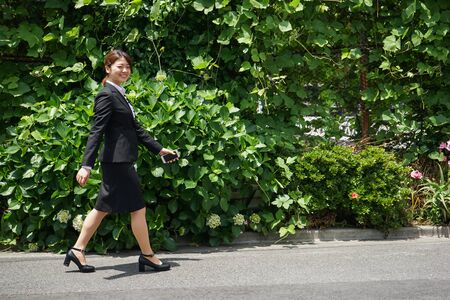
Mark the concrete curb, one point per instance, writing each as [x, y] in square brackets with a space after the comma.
[302, 236]
[349, 234]
[338, 234]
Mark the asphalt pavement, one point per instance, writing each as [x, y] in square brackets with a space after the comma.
[383, 269]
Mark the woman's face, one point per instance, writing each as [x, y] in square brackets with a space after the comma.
[119, 71]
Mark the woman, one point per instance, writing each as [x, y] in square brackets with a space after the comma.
[114, 119]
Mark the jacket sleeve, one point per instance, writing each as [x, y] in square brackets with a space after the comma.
[145, 139]
[102, 114]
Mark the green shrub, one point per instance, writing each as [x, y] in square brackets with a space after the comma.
[367, 189]
[43, 151]
[382, 186]
[326, 173]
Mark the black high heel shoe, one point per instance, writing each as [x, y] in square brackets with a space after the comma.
[145, 262]
[70, 256]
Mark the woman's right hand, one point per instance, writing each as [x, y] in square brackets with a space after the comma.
[83, 176]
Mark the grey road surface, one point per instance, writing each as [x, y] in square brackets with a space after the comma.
[403, 269]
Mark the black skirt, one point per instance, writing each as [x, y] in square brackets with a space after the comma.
[120, 191]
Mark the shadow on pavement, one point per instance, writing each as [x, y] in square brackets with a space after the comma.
[131, 269]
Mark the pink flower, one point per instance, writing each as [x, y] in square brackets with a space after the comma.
[355, 195]
[448, 146]
[416, 174]
[442, 146]
[445, 158]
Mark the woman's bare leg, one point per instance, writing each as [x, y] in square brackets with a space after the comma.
[140, 231]
[90, 225]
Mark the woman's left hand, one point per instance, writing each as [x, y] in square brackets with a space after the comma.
[165, 151]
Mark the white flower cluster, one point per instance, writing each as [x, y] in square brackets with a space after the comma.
[33, 247]
[255, 218]
[77, 222]
[213, 221]
[239, 219]
[161, 75]
[63, 216]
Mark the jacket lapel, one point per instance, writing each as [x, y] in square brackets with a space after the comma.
[120, 97]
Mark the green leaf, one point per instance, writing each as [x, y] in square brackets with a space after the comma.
[213, 177]
[440, 53]
[439, 120]
[78, 67]
[81, 3]
[132, 36]
[436, 155]
[58, 4]
[201, 63]
[283, 231]
[207, 204]
[37, 135]
[8, 191]
[285, 26]
[231, 108]
[207, 156]
[73, 33]
[28, 174]
[12, 149]
[225, 36]
[236, 231]
[222, 3]
[183, 216]
[231, 18]
[78, 190]
[409, 12]
[391, 43]
[61, 23]
[268, 217]
[245, 35]
[60, 165]
[291, 229]
[155, 11]
[296, 4]
[22, 89]
[320, 41]
[261, 4]
[173, 205]
[116, 232]
[169, 244]
[245, 66]
[14, 204]
[370, 94]
[189, 184]
[91, 84]
[30, 33]
[204, 5]
[224, 204]
[91, 43]
[416, 38]
[49, 37]
[200, 221]
[43, 118]
[207, 94]
[158, 172]
[110, 2]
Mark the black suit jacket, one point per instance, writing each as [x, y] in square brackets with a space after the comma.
[114, 120]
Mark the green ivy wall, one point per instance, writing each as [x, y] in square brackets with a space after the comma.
[235, 80]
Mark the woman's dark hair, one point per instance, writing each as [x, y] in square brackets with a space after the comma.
[111, 57]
